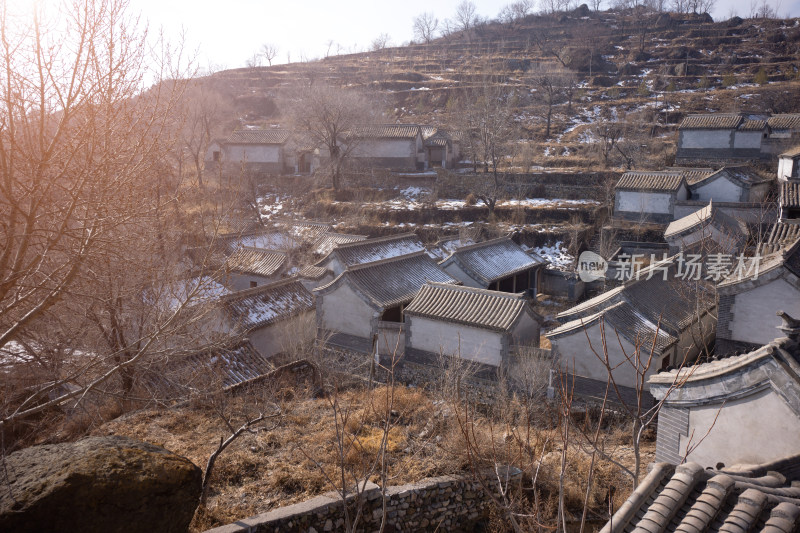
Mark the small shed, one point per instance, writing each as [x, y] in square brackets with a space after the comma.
[708, 406]
[708, 230]
[498, 264]
[470, 323]
[275, 317]
[442, 147]
[249, 267]
[649, 196]
[364, 298]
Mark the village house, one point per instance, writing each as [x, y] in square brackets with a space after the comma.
[397, 147]
[720, 137]
[783, 134]
[735, 498]
[750, 297]
[671, 317]
[706, 406]
[730, 184]
[498, 264]
[258, 151]
[708, 230]
[358, 252]
[649, 196]
[248, 267]
[442, 147]
[475, 324]
[275, 318]
[368, 299]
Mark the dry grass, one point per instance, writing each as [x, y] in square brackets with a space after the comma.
[294, 461]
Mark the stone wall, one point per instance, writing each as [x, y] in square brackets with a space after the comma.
[443, 503]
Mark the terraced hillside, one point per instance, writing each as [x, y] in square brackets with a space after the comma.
[632, 68]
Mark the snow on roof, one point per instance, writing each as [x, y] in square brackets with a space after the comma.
[492, 260]
[371, 250]
[262, 306]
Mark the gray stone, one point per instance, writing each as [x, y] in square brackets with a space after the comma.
[98, 484]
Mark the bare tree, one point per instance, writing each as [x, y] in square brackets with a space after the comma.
[329, 115]
[551, 81]
[270, 52]
[465, 16]
[86, 186]
[425, 25]
[515, 12]
[380, 42]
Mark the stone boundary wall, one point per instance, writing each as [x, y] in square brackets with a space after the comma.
[442, 503]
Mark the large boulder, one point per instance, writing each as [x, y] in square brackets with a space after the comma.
[98, 484]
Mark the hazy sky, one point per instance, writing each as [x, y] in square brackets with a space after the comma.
[226, 33]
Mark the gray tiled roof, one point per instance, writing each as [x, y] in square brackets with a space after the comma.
[656, 180]
[787, 121]
[713, 121]
[370, 250]
[745, 176]
[693, 175]
[691, 499]
[386, 131]
[261, 306]
[393, 281]
[750, 124]
[304, 231]
[492, 260]
[703, 217]
[329, 241]
[312, 272]
[479, 308]
[271, 136]
[222, 367]
[794, 152]
[255, 261]
[781, 235]
[642, 306]
[790, 194]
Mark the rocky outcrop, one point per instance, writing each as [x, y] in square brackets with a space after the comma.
[98, 484]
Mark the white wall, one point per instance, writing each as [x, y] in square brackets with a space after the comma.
[283, 336]
[344, 311]
[385, 148]
[747, 139]
[455, 339]
[754, 318]
[703, 139]
[785, 167]
[575, 355]
[643, 202]
[254, 153]
[772, 431]
[719, 190]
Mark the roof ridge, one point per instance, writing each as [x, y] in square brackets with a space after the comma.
[476, 290]
[250, 291]
[482, 244]
[374, 240]
[257, 249]
[362, 266]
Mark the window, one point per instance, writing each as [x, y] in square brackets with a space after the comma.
[253, 284]
[215, 155]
